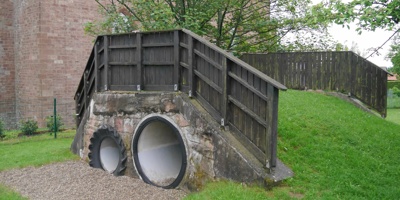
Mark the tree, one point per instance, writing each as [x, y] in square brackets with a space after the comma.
[234, 25]
[394, 54]
[369, 14]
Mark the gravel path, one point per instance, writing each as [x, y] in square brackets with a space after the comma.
[77, 180]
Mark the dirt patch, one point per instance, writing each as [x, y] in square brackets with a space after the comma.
[77, 180]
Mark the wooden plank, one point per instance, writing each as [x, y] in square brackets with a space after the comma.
[191, 63]
[122, 47]
[158, 63]
[247, 143]
[122, 63]
[184, 65]
[96, 66]
[176, 59]
[170, 44]
[236, 60]
[210, 109]
[248, 86]
[273, 112]
[206, 58]
[106, 65]
[225, 92]
[248, 111]
[139, 61]
[183, 45]
[208, 81]
[159, 87]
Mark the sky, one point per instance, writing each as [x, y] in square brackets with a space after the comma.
[364, 41]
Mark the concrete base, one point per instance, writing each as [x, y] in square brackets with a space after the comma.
[212, 152]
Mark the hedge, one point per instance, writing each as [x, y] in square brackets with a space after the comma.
[391, 84]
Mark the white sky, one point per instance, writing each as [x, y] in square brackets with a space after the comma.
[365, 41]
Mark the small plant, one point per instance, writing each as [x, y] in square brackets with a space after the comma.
[29, 127]
[50, 123]
[2, 133]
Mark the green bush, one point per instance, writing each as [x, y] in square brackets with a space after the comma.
[29, 127]
[50, 123]
[396, 91]
[392, 84]
[2, 133]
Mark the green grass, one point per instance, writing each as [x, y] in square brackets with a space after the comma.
[8, 194]
[393, 102]
[18, 152]
[393, 115]
[336, 151]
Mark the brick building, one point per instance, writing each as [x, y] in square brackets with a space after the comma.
[43, 51]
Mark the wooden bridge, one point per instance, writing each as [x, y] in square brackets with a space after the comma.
[234, 93]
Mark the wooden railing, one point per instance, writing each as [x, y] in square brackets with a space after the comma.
[345, 72]
[234, 93]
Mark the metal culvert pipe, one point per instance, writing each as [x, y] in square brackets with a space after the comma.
[159, 152]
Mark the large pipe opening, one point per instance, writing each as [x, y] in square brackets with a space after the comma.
[109, 154]
[159, 152]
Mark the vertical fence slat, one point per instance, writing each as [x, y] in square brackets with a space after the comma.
[191, 67]
[106, 63]
[96, 66]
[139, 61]
[176, 59]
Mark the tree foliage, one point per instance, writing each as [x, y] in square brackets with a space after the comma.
[394, 54]
[368, 14]
[234, 25]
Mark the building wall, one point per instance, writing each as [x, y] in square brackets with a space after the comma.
[46, 54]
[7, 70]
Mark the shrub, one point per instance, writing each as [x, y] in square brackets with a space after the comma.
[396, 91]
[50, 123]
[2, 133]
[29, 127]
[392, 84]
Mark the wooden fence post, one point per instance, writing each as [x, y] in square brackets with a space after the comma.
[225, 84]
[191, 67]
[106, 64]
[139, 61]
[176, 60]
[273, 94]
[96, 66]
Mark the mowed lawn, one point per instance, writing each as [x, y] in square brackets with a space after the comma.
[393, 115]
[17, 152]
[336, 151]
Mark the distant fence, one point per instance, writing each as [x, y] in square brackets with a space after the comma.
[345, 72]
[12, 115]
[233, 92]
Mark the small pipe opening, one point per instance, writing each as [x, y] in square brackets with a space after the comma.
[159, 153]
[109, 154]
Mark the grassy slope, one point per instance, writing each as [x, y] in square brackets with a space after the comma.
[393, 115]
[336, 151]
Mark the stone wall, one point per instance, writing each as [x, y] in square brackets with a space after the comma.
[212, 152]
